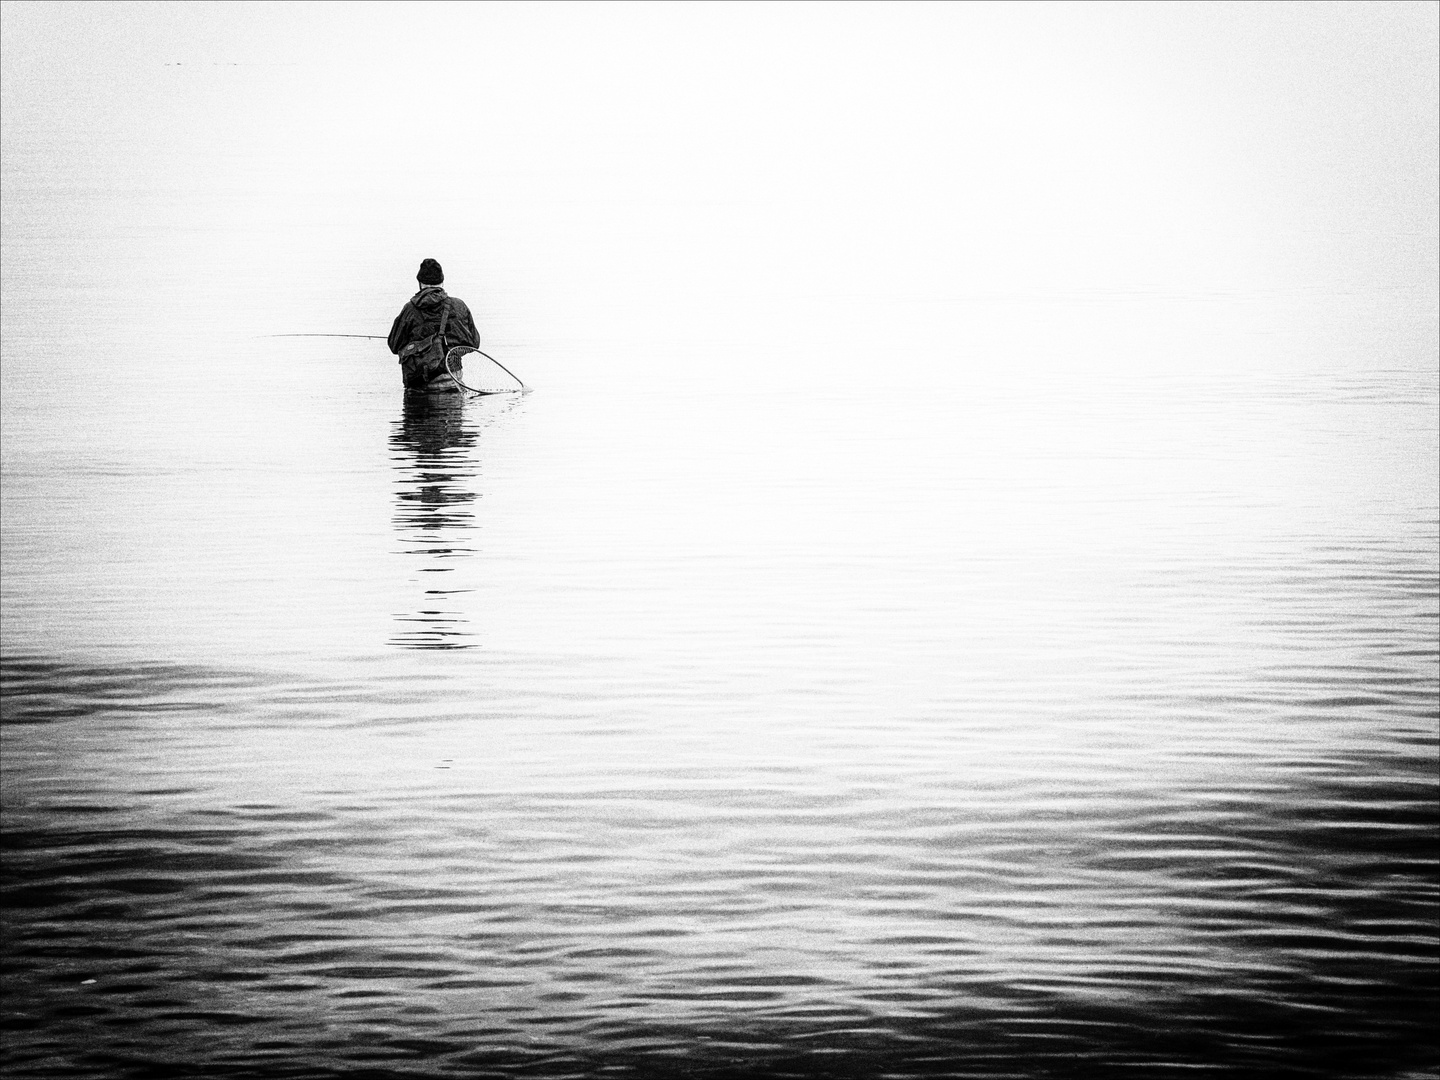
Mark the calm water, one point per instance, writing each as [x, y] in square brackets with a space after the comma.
[854, 672]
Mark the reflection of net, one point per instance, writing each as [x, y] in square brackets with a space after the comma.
[479, 373]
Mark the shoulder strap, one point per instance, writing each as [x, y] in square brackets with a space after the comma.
[444, 316]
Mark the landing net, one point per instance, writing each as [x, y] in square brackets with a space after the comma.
[480, 373]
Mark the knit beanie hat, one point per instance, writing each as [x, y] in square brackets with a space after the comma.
[430, 273]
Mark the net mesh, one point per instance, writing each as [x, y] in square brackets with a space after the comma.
[480, 373]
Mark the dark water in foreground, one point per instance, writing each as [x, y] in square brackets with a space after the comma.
[551, 899]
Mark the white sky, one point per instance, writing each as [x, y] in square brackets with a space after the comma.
[908, 148]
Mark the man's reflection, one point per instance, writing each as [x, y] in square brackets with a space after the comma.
[434, 453]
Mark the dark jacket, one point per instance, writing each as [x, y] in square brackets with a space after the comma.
[420, 318]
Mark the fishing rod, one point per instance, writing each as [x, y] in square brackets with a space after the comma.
[457, 353]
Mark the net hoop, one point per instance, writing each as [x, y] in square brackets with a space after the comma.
[454, 362]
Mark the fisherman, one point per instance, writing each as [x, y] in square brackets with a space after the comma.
[429, 324]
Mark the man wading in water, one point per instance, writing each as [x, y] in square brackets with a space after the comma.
[428, 325]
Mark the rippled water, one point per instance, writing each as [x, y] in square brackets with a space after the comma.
[827, 680]
[882, 756]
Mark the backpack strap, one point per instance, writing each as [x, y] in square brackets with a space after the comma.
[444, 316]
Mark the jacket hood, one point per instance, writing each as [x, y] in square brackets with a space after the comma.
[429, 298]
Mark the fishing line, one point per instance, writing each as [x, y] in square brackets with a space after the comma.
[484, 374]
